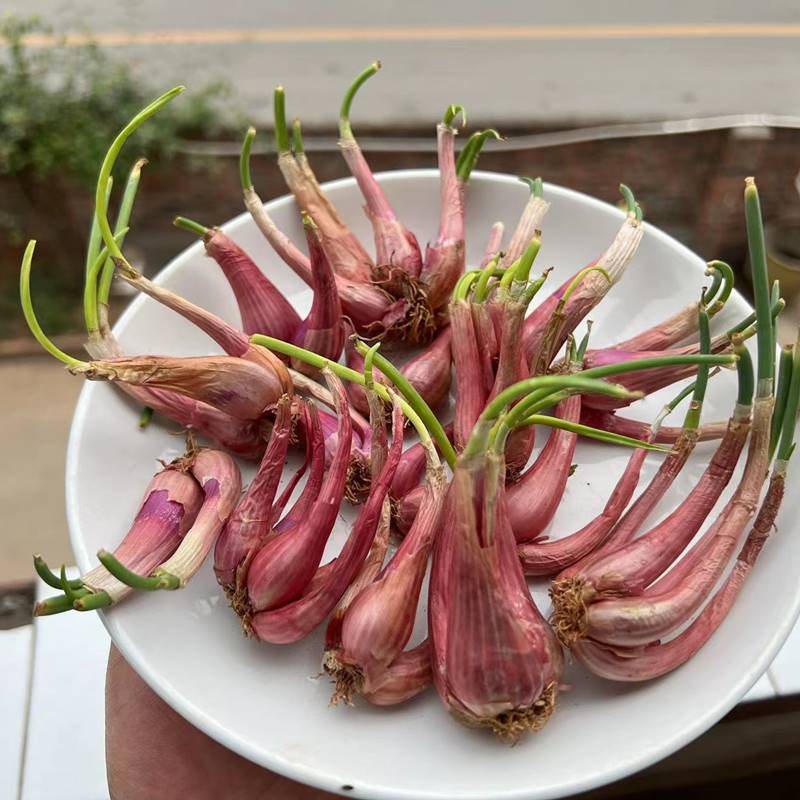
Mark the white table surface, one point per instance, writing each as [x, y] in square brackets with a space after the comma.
[52, 713]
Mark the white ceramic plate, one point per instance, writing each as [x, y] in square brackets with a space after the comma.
[268, 702]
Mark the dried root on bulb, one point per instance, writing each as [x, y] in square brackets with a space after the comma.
[511, 726]
[348, 679]
[569, 609]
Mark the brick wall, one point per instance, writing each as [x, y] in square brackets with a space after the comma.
[690, 185]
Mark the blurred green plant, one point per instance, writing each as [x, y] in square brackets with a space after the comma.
[60, 106]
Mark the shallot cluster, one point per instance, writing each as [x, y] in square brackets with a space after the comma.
[454, 510]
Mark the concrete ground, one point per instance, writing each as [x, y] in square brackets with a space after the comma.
[37, 398]
[515, 62]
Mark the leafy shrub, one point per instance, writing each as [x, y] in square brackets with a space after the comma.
[61, 106]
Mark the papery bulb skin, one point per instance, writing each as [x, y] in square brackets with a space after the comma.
[378, 623]
[429, 371]
[235, 386]
[667, 333]
[169, 508]
[586, 296]
[398, 260]
[221, 483]
[533, 499]
[616, 595]
[243, 439]
[549, 557]
[295, 620]
[282, 569]
[412, 467]
[472, 390]
[233, 341]
[372, 310]
[406, 509]
[496, 662]
[252, 520]
[262, 306]
[369, 570]
[397, 252]
[408, 675]
[347, 255]
[648, 380]
[512, 366]
[323, 330]
[667, 434]
[311, 431]
[445, 257]
[529, 222]
[396, 247]
[488, 339]
[493, 243]
[358, 467]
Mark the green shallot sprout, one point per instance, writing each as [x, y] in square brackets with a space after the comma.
[50, 578]
[547, 384]
[369, 356]
[91, 316]
[120, 228]
[30, 314]
[785, 367]
[593, 433]
[584, 344]
[760, 281]
[464, 285]
[281, 131]
[786, 447]
[145, 417]
[92, 601]
[534, 184]
[95, 238]
[701, 382]
[532, 288]
[130, 578]
[429, 420]
[468, 157]
[491, 270]
[722, 274]
[58, 604]
[297, 138]
[244, 159]
[345, 130]
[633, 208]
[545, 397]
[451, 112]
[345, 373]
[101, 205]
[190, 225]
[519, 272]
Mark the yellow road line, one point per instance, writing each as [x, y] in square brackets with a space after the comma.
[419, 34]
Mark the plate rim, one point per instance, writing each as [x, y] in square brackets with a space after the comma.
[307, 774]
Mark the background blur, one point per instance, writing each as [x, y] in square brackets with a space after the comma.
[679, 100]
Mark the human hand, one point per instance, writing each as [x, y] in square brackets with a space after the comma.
[151, 751]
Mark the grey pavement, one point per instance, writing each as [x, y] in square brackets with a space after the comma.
[584, 73]
[37, 398]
